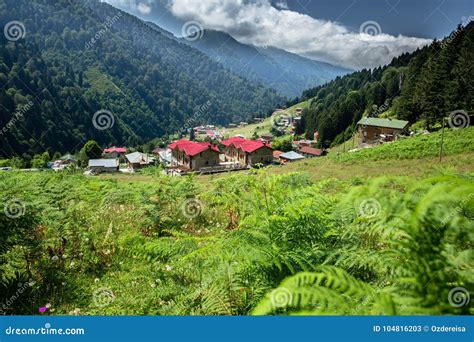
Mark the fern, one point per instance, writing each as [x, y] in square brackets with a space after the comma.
[328, 291]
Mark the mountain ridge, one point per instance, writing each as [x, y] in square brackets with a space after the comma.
[81, 57]
[288, 73]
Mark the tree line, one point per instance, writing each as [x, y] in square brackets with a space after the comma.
[423, 86]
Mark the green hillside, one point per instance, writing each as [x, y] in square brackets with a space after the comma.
[93, 57]
[386, 230]
[422, 146]
[228, 244]
[421, 87]
[264, 128]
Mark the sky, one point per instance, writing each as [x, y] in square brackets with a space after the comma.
[354, 34]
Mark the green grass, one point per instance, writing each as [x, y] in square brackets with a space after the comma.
[130, 244]
[100, 82]
[262, 128]
[348, 145]
[419, 147]
[303, 105]
[416, 157]
[108, 246]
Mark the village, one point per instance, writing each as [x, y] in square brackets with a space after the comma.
[211, 150]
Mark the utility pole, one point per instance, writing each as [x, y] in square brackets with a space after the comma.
[442, 143]
[344, 140]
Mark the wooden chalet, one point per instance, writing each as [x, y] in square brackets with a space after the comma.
[193, 156]
[372, 130]
[247, 152]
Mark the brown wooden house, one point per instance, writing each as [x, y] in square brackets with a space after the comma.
[372, 130]
[192, 156]
[247, 152]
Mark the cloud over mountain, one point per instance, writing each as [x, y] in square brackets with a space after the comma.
[260, 23]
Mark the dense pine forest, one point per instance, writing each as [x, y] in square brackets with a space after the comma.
[79, 57]
[422, 87]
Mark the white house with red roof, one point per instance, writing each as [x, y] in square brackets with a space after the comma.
[192, 156]
[247, 152]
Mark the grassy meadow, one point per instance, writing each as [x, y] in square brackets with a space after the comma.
[262, 128]
[388, 230]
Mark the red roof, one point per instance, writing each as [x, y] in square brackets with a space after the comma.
[245, 145]
[115, 149]
[191, 148]
[233, 140]
[277, 154]
[252, 145]
[311, 150]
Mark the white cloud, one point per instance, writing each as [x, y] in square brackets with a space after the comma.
[143, 8]
[281, 4]
[258, 22]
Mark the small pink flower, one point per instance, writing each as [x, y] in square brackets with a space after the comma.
[43, 309]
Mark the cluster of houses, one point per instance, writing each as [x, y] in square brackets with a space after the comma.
[184, 156]
[114, 156]
[208, 131]
[236, 153]
[303, 149]
[285, 122]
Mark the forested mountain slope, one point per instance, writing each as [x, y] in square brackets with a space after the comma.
[78, 57]
[423, 86]
[288, 73]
